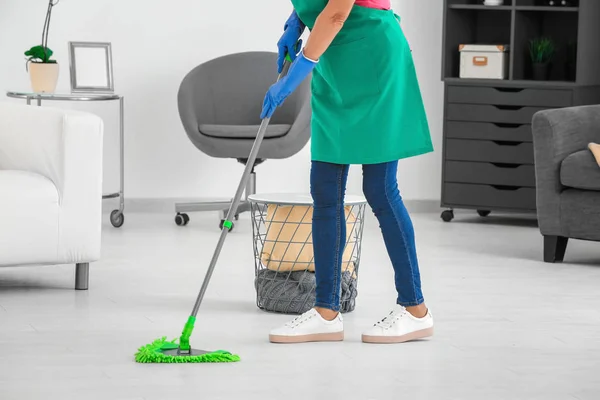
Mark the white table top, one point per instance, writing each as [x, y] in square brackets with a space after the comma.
[64, 96]
[298, 199]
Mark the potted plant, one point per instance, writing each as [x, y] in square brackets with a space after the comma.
[43, 71]
[542, 52]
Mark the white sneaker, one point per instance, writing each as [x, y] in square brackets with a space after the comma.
[398, 327]
[309, 327]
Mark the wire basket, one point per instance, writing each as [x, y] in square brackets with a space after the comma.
[283, 252]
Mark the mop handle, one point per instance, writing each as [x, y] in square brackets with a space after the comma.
[227, 225]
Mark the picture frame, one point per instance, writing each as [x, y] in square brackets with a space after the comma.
[91, 67]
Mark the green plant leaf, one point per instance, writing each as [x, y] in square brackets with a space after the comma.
[542, 50]
[39, 54]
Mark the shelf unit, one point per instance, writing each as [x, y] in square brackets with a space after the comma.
[488, 151]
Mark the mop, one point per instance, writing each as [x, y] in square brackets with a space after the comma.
[180, 351]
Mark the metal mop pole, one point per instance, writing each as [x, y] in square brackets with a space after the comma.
[184, 340]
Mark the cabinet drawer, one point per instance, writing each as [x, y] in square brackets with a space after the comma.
[489, 151]
[489, 131]
[487, 196]
[490, 173]
[507, 96]
[486, 113]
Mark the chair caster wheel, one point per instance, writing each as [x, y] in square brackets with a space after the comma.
[221, 225]
[182, 219]
[483, 213]
[448, 215]
[117, 219]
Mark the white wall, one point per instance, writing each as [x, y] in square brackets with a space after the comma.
[155, 43]
[422, 20]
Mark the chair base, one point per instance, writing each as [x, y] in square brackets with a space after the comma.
[220, 205]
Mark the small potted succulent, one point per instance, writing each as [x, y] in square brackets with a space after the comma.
[542, 52]
[43, 71]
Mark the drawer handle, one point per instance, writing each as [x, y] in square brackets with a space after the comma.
[507, 125]
[509, 90]
[509, 108]
[506, 166]
[505, 188]
[506, 143]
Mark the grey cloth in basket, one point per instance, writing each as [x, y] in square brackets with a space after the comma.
[294, 292]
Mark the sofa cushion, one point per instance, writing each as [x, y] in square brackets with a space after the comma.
[580, 171]
[243, 131]
[29, 211]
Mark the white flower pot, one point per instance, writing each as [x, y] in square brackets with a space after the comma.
[44, 77]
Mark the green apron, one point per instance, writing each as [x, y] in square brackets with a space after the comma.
[366, 101]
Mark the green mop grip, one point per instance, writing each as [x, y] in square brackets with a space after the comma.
[184, 340]
[288, 58]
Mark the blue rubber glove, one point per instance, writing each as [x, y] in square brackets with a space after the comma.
[299, 70]
[290, 42]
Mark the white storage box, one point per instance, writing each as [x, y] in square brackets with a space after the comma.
[484, 61]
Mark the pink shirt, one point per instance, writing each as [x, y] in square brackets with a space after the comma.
[380, 4]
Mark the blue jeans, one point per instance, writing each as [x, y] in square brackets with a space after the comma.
[328, 187]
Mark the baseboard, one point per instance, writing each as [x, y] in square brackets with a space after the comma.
[422, 206]
[149, 205]
[167, 205]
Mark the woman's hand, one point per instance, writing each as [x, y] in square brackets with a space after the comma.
[300, 69]
[328, 25]
[290, 42]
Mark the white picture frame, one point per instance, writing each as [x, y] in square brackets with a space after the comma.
[91, 67]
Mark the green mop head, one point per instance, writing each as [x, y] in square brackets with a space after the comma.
[162, 351]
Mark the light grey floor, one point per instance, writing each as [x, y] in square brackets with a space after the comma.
[508, 325]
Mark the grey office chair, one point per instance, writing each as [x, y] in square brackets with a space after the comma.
[220, 103]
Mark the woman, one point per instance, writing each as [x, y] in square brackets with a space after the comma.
[367, 109]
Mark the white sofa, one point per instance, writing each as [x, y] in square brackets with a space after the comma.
[50, 188]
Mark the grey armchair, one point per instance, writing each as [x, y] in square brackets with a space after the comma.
[220, 104]
[568, 177]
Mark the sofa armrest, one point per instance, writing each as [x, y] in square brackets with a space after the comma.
[556, 135]
[66, 148]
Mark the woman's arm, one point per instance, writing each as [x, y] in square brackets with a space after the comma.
[328, 25]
